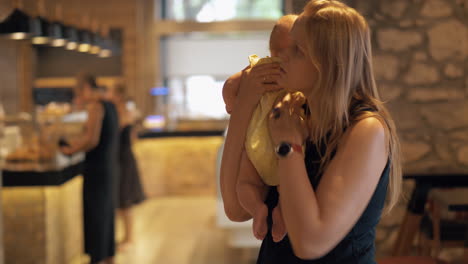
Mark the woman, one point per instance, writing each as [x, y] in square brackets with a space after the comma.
[130, 189]
[100, 142]
[333, 196]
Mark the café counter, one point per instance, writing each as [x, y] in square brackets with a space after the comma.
[178, 162]
[42, 211]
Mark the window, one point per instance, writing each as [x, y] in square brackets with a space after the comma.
[221, 10]
[197, 52]
[196, 66]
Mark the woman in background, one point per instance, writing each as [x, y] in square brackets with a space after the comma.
[130, 189]
[100, 142]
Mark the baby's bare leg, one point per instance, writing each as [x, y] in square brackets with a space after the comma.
[251, 192]
[278, 231]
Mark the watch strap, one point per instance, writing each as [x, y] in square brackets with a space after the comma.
[296, 148]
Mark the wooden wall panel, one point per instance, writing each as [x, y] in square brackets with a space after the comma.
[112, 13]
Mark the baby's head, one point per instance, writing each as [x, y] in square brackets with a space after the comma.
[279, 42]
[279, 37]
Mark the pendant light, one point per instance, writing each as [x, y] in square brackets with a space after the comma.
[18, 25]
[97, 43]
[57, 29]
[42, 31]
[84, 39]
[106, 44]
[106, 50]
[71, 34]
[84, 36]
[95, 38]
[41, 25]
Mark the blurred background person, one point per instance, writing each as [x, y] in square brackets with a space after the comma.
[129, 187]
[100, 142]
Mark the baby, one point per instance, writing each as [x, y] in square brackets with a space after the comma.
[258, 146]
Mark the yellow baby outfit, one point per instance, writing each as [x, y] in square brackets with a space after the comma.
[258, 143]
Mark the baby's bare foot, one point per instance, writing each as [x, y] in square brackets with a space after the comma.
[259, 226]
[278, 231]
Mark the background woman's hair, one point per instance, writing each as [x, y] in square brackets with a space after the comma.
[339, 46]
[87, 78]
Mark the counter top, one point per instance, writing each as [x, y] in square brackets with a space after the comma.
[50, 173]
[195, 133]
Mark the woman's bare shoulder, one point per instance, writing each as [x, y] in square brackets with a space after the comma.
[365, 136]
[369, 128]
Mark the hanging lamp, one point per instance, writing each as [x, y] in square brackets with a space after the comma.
[84, 40]
[41, 25]
[18, 25]
[71, 34]
[106, 44]
[57, 29]
[96, 40]
[84, 36]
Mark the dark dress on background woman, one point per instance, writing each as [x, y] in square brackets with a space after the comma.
[357, 247]
[130, 189]
[99, 189]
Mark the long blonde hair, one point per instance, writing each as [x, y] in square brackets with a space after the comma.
[339, 46]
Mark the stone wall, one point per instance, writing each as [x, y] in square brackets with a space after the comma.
[420, 60]
[420, 50]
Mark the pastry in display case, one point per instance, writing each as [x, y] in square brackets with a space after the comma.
[34, 150]
[32, 144]
[39, 138]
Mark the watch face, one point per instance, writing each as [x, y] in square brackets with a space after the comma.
[284, 149]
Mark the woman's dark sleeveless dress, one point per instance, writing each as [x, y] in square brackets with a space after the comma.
[99, 189]
[358, 245]
[130, 189]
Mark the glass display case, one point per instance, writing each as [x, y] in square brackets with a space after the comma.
[34, 138]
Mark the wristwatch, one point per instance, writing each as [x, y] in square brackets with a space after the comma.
[284, 149]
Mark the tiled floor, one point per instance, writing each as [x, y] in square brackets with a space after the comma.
[182, 230]
[179, 230]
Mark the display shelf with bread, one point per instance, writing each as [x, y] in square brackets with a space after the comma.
[32, 144]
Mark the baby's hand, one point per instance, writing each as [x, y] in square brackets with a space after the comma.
[260, 227]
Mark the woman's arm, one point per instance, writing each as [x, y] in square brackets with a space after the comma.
[318, 221]
[90, 138]
[249, 93]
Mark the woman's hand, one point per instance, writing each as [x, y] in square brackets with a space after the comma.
[256, 81]
[287, 122]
